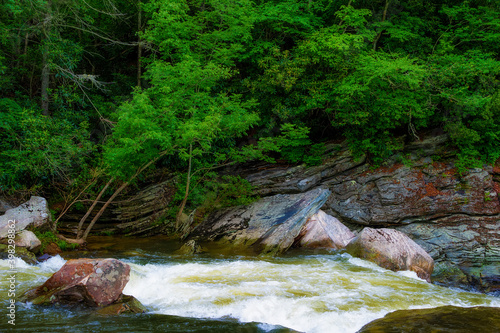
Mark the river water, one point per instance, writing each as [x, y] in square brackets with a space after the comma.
[307, 292]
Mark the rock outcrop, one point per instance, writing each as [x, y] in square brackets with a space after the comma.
[454, 217]
[324, 231]
[269, 225]
[33, 213]
[91, 282]
[393, 250]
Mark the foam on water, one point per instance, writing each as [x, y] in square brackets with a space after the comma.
[52, 265]
[313, 294]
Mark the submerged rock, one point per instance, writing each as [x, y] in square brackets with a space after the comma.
[393, 250]
[190, 247]
[269, 225]
[33, 213]
[324, 231]
[125, 304]
[442, 319]
[92, 282]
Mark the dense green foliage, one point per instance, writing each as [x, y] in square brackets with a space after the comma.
[282, 75]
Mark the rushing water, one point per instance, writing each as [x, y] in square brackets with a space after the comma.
[329, 292]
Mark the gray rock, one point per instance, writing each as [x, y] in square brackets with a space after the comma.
[269, 225]
[28, 240]
[33, 213]
[324, 231]
[393, 250]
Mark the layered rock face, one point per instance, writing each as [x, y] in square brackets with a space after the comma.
[455, 218]
[269, 225]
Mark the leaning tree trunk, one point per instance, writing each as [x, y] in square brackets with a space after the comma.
[186, 194]
[80, 224]
[103, 208]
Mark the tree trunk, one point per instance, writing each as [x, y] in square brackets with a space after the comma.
[45, 82]
[384, 15]
[80, 224]
[103, 208]
[186, 194]
[139, 44]
[45, 60]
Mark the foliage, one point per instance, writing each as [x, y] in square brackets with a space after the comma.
[48, 237]
[35, 149]
[188, 84]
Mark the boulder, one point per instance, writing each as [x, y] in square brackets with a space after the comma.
[393, 250]
[441, 319]
[91, 282]
[189, 248]
[269, 225]
[28, 240]
[52, 249]
[33, 213]
[324, 231]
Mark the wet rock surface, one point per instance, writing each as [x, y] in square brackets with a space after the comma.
[269, 225]
[91, 282]
[442, 319]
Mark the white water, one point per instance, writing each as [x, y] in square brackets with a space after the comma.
[316, 293]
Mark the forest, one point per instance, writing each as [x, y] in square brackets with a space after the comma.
[97, 96]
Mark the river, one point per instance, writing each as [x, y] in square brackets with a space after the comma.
[302, 291]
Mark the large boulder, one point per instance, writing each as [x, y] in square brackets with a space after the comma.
[441, 319]
[91, 282]
[324, 231]
[393, 250]
[33, 213]
[269, 225]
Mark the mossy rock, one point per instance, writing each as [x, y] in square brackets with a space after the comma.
[442, 319]
[20, 252]
[126, 304]
[449, 274]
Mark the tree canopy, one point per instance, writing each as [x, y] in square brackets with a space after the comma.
[119, 85]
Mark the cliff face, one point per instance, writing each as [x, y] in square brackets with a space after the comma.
[455, 218]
